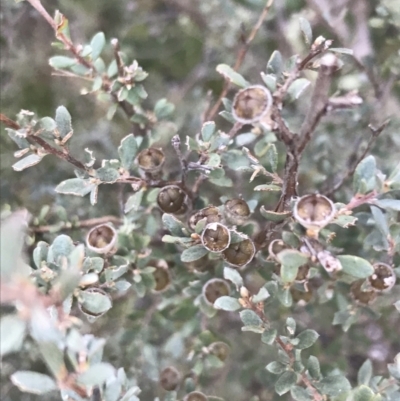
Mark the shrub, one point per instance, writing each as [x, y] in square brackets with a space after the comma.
[233, 260]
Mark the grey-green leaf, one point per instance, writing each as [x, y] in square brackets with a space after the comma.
[275, 63]
[307, 339]
[60, 62]
[355, 266]
[291, 260]
[12, 334]
[207, 131]
[268, 336]
[127, 151]
[97, 374]
[173, 225]
[285, 382]
[334, 385]
[63, 121]
[134, 201]
[193, 253]
[364, 177]
[276, 367]
[364, 373]
[300, 394]
[107, 174]
[250, 318]
[26, 162]
[313, 367]
[306, 30]
[227, 303]
[75, 186]
[97, 44]
[33, 382]
[232, 75]
[234, 276]
[95, 302]
[298, 87]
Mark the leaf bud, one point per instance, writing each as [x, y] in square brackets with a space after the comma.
[151, 160]
[102, 239]
[240, 253]
[251, 104]
[236, 211]
[383, 278]
[170, 378]
[172, 199]
[215, 288]
[215, 237]
[314, 212]
[210, 213]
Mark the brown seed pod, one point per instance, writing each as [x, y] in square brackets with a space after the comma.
[314, 212]
[360, 296]
[170, 378]
[215, 237]
[210, 213]
[161, 275]
[151, 160]
[236, 211]
[215, 288]
[172, 199]
[301, 297]
[251, 104]
[383, 278]
[220, 349]
[101, 239]
[240, 253]
[195, 396]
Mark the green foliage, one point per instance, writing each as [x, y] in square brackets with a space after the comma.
[194, 232]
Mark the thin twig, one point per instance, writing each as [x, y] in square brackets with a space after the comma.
[80, 224]
[356, 159]
[239, 60]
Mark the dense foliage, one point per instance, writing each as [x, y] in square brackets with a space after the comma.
[215, 216]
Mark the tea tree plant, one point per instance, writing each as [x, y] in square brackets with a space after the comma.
[219, 235]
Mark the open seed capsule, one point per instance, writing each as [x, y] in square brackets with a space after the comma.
[251, 104]
[240, 253]
[195, 396]
[236, 211]
[161, 275]
[170, 378]
[172, 199]
[210, 213]
[220, 350]
[314, 212]
[102, 238]
[215, 288]
[363, 297]
[215, 237]
[383, 278]
[151, 160]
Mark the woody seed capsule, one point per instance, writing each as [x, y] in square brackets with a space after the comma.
[210, 213]
[215, 288]
[220, 350]
[161, 275]
[195, 396]
[215, 237]
[251, 104]
[236, 211]
[170, 378]
[363, 297]
[240, 253]
[151, 160]
[102, 238]
[171, 199]
[383, 278]
[314, 212]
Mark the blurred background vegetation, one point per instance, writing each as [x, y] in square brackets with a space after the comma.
[179, 43]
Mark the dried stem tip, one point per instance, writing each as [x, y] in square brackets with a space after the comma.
[251, 104]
